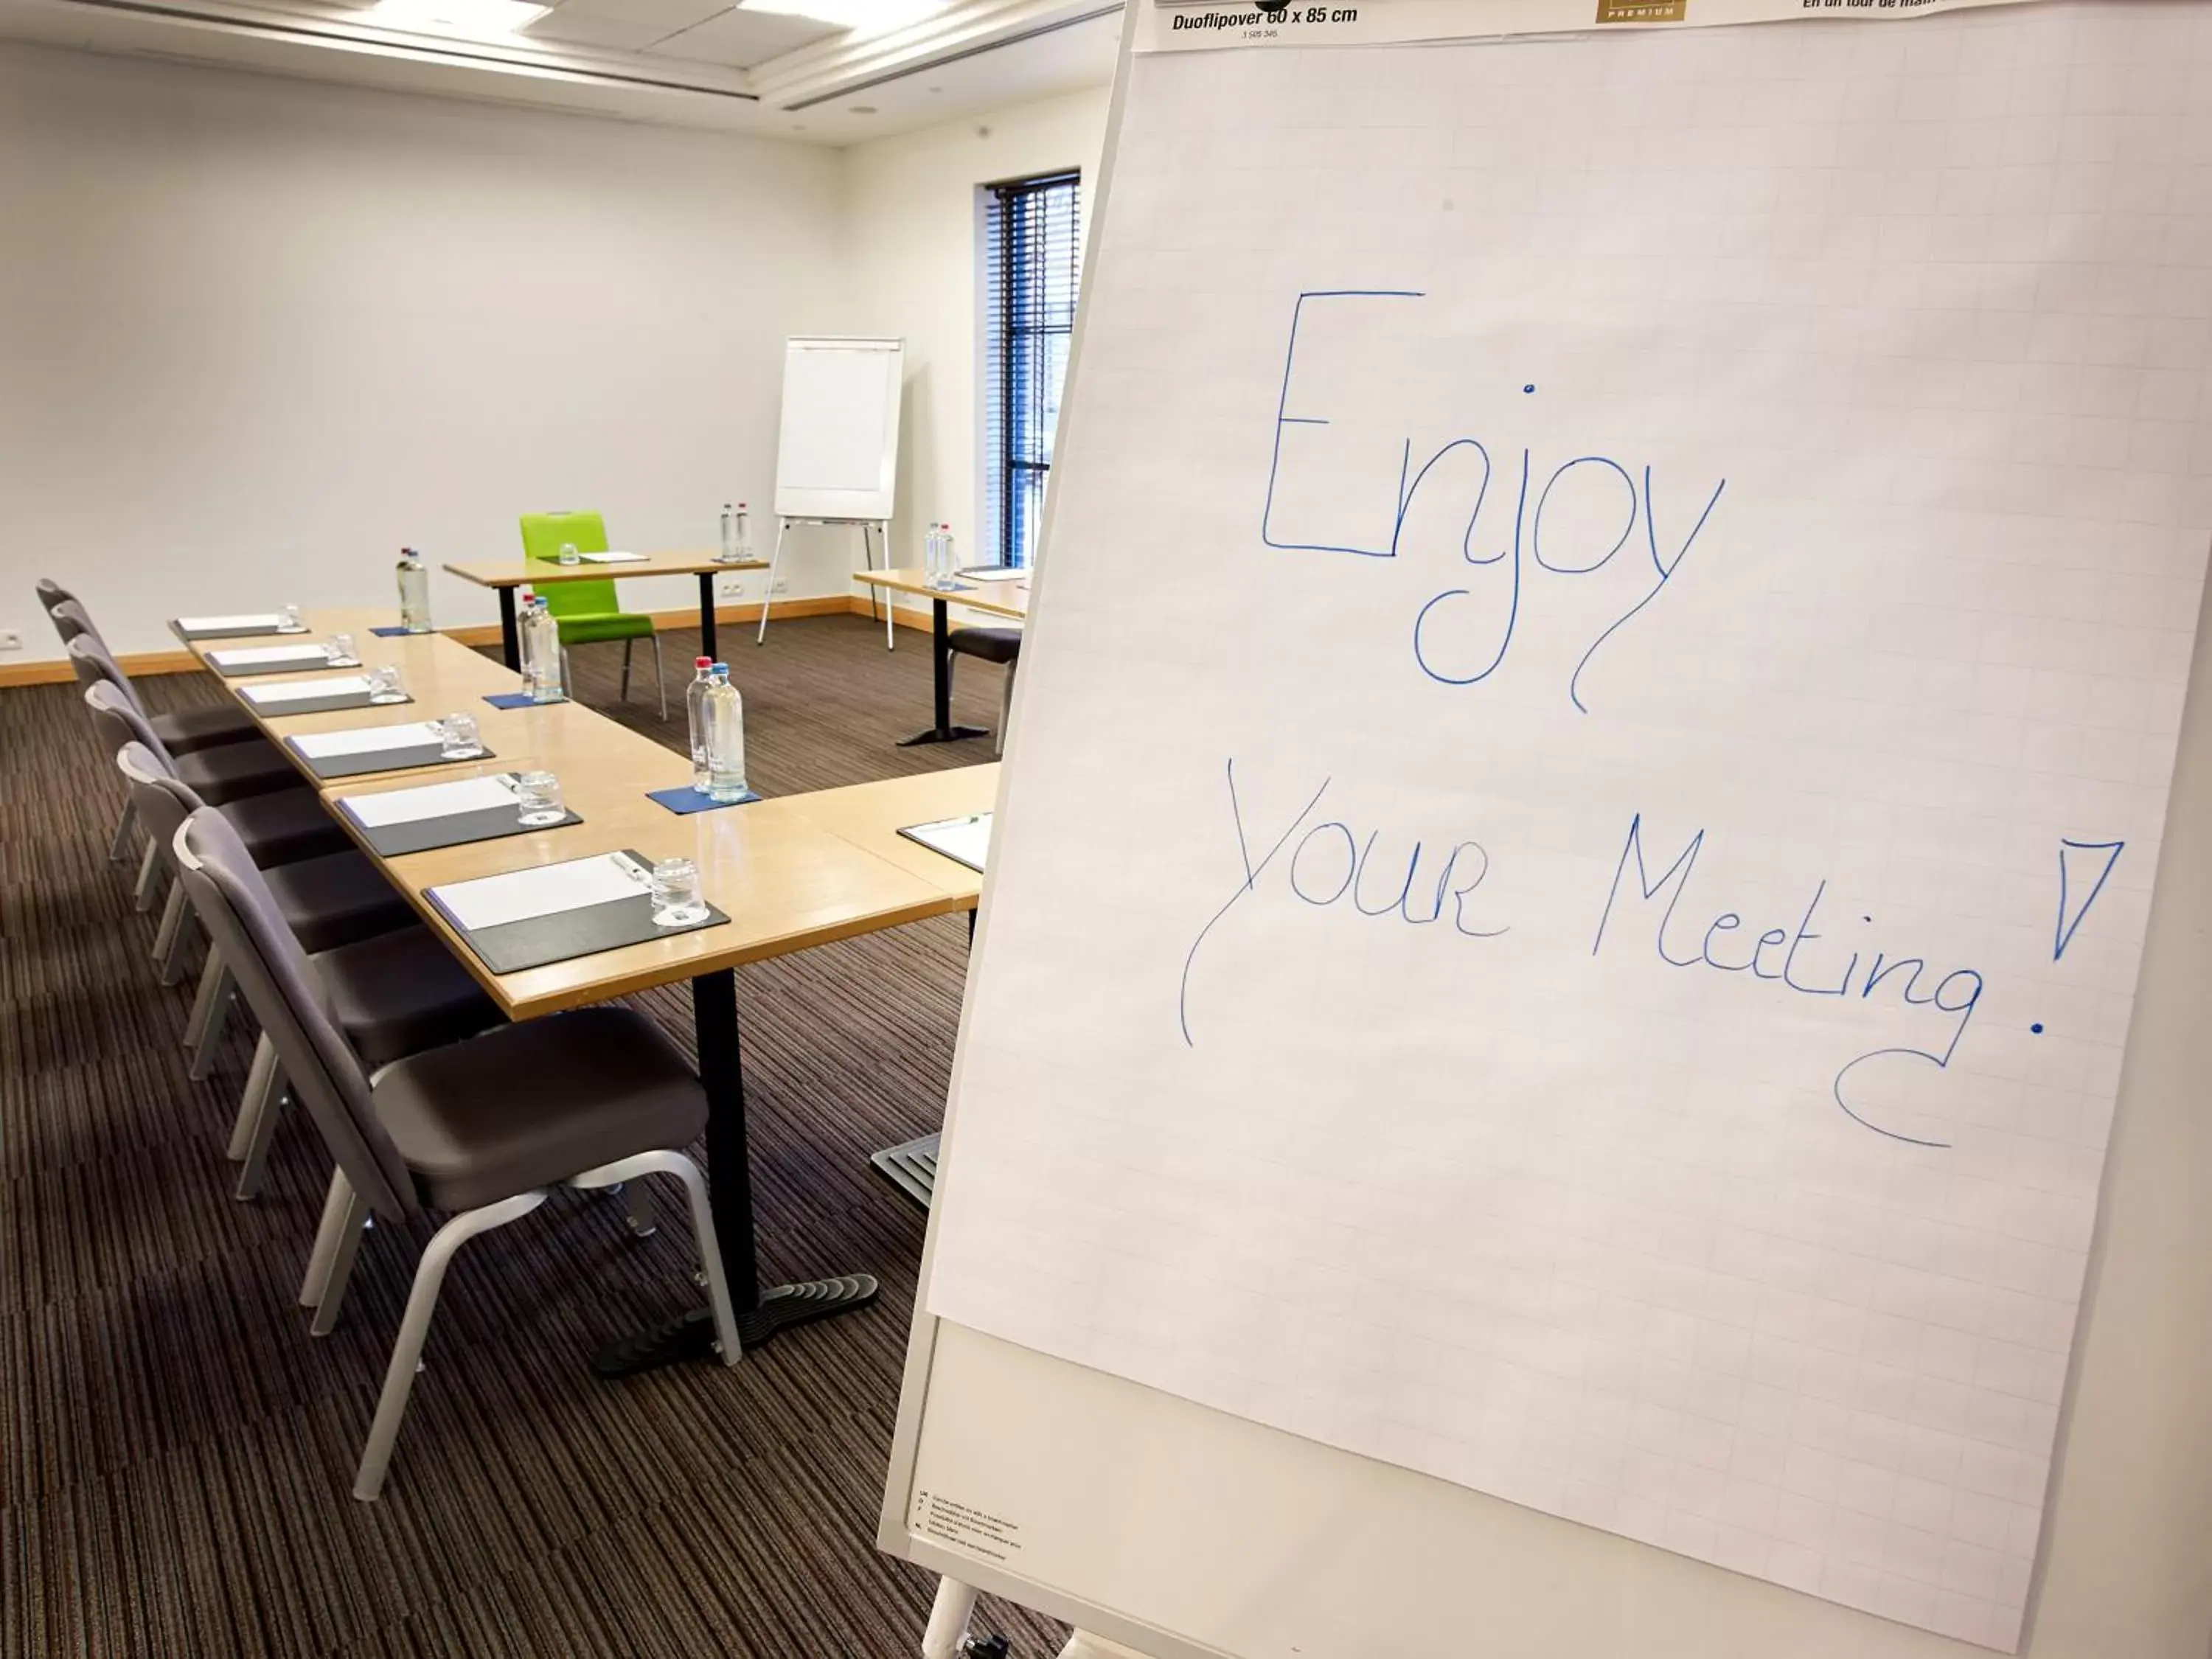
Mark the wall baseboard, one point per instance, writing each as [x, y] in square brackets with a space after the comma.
[725, 616]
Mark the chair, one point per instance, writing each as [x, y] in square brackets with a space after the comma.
[587, 612]
[479, 1129]
[392, 993]
[998, 645]
[51, 593]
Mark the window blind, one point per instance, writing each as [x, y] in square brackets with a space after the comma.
[1033, 251]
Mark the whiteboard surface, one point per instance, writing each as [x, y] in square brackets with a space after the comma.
[1503, 1195]
[837, 449]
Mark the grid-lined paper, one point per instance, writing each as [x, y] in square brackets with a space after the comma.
[1747, 1218]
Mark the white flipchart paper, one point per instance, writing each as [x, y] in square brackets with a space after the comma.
[1589, 953]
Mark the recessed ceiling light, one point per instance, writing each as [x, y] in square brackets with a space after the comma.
[861, 109]
[479, 19]
[866, 16]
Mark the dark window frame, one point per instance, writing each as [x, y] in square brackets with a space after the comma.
[1034, 253]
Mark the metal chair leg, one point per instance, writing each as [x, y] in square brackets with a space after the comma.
[415, 1326]
[637, 1210]
[165, 936]
[660, 677]
[149, 877]
[210, 1007]
[263, 1111]
[257, 1078]
[336, 1203]
[629, 645]
[346, 1244]
[702, 1226]
[119, 848]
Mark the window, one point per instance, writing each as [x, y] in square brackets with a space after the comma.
[1033, 263]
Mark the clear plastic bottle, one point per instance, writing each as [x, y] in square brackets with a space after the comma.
[726, 737]
[695, 703]
[545, 680]
[728, 552]
[525, 641]
[414, 591]
[933, 556]
[946, 551]
[745, 542]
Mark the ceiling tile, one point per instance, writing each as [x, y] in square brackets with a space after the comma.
[742, 39]
[567, 26]
[667, 16]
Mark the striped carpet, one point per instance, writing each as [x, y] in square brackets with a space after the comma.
[176, 1451]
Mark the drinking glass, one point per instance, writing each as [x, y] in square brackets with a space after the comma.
[384, 686]
[340, 649]
[288, 621]
[540, 793]
[568, 553]
[676, 901]
[459, 735]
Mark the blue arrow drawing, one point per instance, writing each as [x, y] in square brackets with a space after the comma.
[2074, 858]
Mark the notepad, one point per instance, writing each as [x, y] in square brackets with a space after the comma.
[550, 890]
[994, 573]
[342, 686]
[261, 621]
[965, 840]
[612, 558]
[363, 740]
[435, 800]
[249, 656]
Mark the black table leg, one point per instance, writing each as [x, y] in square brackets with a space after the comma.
[510, 640]
[707, 615]
[730, 1192]
[940, 641]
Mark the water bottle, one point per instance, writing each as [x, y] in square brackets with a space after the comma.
[726, 737]
[744, 534]
[731, 519]
[933, 556]
[946, 551]
[414, 593]
[526, 638]
[695, 700]
[546, 681]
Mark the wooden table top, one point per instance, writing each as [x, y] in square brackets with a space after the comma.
[519, 572]
[1009, 598]
[790, 873]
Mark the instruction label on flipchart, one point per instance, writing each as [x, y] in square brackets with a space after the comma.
[1201, 25]
[942, 1520]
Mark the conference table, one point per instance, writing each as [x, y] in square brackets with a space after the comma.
[1004, 597]
[505, 575]
[790, 873]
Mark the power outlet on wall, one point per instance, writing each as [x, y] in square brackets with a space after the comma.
[729, 587]
[10, 640]
[782, 584]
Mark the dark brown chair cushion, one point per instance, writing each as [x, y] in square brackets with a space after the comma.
[991, 644]
[528, 1105]
[400, 994]
[335, 900]
[190, 729]
[232, 771]
[285, 827]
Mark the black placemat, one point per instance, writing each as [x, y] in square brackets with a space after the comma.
[402, 759]
[538, 940]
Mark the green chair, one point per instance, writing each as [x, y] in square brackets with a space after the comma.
[587, 611]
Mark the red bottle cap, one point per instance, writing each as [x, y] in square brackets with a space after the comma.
[702, 662]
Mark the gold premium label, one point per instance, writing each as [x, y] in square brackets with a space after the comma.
[1641, 11]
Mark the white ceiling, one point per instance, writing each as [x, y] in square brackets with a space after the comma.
[687, 63]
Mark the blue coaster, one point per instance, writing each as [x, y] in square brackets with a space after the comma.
[389, 633]
[519, 700]
[688, 799]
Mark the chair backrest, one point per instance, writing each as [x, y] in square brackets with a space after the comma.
[51, 593]
[163, 803]
[119, 721]
[543, 535]
[281, 986]
[69, 620]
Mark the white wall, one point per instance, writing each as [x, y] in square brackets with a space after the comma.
[916, 233]
[255, 334]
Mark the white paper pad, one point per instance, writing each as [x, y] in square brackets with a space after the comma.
[547, 891]
[995, 572]
[266, 653]
[304, 691]
[967, 839]
[435, 800]
[612, 558]
[269, 619]
[366, 740]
